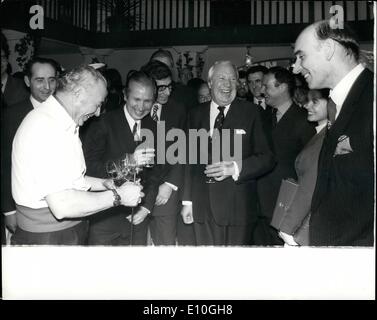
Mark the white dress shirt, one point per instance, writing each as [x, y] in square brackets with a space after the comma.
[47, 156]
[341, 90]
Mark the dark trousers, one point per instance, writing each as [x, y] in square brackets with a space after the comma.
[185, 233]
[265, 235]
[118, 234]
[76, 235]
[209, 233]
[163, 230]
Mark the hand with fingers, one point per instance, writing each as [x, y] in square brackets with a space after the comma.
[130, 194]
[186, 213]
[288, 239]
[220, 170]
[143, 156]
[164, 193]
[139, 216]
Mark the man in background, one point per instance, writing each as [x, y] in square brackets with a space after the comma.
[40, 78]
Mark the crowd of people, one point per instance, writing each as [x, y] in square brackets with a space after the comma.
[311, 123]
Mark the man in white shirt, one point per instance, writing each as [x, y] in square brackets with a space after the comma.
[40, 77]
[343, 201]
[49, 185]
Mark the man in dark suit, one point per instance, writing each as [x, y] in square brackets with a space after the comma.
[115, 134]
[224, 211]
[289, 132]
[342, 204]
[41, 79]
[172, 114]
[12, 89]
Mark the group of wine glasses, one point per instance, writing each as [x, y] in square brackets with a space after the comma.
[125, 170]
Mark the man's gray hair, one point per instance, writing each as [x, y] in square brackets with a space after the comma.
[212, 69]
[82, 76]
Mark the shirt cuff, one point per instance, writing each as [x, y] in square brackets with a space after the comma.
[175, 188]
[9, 213]
[149, 211]
[237, 171]
[187, 203]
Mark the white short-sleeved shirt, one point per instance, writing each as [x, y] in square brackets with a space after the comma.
[47, 156]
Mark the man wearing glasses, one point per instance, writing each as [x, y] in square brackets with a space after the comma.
[163, 223]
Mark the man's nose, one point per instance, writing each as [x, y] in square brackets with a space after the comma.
[46, 84]
[296, 67]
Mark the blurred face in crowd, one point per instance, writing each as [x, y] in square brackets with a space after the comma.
[164, 89]
[204, 95]
[42, 82]
[272, 90]
[139, 99]
[88, 101]
[316, 106]
[311, 60]
[255, 81]
[223, 84]
[4, 63]
[242, 87]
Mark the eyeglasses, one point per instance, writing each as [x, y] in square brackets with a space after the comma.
[162, 88]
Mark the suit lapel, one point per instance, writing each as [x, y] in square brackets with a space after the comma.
[348, 108]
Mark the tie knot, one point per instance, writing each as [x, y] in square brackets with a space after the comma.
[221, 109]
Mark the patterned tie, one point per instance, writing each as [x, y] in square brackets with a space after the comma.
[135, 134]
[331, 112]
[154, 112]
[219, 121]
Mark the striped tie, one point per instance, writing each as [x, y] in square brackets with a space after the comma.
[154, 112]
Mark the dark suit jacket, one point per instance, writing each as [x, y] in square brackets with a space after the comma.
[231, 202]
[342, 206]
[15, 91]
[287, 139]
[174, 115]
[11, 120]
[109, 138]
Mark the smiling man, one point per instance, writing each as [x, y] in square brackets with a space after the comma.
[224, 212]
[115, 134]
[49, 184]
[288, 133]
[41, 79]
[342, 204]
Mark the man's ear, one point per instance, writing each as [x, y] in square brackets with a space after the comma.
[77, 91]
[124, 94]
[328, 47]
[27, 81]
[209, 84]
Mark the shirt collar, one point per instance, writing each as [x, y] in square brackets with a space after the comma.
[35, 102]
[4, 82]
[56, 110]
[320, 127]
[214, 107]
[131, 121]
[340, 91]
[282, 109]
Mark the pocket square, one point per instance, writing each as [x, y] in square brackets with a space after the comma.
[343, 146]
[240, 131]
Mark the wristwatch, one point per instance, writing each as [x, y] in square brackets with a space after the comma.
[117, 198]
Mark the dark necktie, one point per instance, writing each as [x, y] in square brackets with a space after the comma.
[154, 112]
[331, 112]
[134, 133]
[274, 119]
[219, 121]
